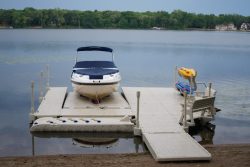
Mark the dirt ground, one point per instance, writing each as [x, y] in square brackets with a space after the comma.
[222, 156]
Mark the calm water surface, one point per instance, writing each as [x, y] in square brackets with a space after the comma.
[145, 58]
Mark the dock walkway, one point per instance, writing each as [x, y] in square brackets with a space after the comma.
[158, 119]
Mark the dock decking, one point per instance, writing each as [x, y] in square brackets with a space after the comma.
[70, 112]
[160, 111]
[159, 115]
[58, 103]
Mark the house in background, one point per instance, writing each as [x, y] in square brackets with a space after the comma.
[226, 27]
[245, 26]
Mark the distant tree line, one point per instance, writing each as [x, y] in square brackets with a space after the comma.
[61, 18]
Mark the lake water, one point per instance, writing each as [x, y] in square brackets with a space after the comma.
[144, 57]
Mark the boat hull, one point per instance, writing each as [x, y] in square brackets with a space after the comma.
[97, 91]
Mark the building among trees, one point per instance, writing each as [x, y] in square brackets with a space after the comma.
[226, 27]
[245, 26]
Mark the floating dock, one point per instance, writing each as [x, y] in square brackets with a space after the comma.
[159, 115]
[69, 112]
[159, 122]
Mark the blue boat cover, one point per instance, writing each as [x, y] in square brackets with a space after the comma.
[95, 64]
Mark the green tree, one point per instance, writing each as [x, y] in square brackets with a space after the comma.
[59, 18]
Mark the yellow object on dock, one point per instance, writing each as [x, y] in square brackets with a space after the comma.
[187, 73]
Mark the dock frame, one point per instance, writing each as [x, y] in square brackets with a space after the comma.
[157, 119]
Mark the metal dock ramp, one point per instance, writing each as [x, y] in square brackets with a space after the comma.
[158, 119]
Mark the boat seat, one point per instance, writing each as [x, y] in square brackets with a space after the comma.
[200, 105]
[95, 64]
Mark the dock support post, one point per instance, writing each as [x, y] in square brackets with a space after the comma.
[33, 145]
[209, 89]
[212, 110]
[41, 87]
[32, 100]
[47, 75]
[175, 76]
[137, 130]
[138, 108]
[32, 110]
[185, 126]
[113, 57]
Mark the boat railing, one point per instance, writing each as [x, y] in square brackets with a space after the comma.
[201, 89]
[205, 91]
[202, 83]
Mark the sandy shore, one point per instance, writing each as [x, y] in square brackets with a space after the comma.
[223, 155]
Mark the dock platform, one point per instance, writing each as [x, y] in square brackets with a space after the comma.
[70, 112]
[159, 115]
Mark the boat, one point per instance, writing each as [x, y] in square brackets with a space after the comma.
[95, 79]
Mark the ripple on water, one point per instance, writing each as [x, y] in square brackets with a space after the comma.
[234, 98]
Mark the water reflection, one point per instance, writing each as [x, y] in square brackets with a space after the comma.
[204, 134]
[145, 58]
[96, 143]
[89, 142]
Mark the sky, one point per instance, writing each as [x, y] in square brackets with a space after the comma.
[194, 6]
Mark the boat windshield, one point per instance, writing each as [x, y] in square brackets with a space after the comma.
[94, 53]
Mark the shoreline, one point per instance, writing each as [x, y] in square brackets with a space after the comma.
[222, 155]
[188, 29]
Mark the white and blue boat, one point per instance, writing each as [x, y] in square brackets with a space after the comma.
[95, 79]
